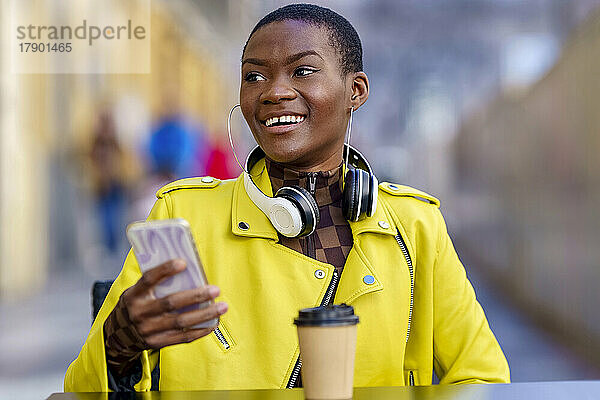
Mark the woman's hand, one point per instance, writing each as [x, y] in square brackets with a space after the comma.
[156, 320]
[140, 321]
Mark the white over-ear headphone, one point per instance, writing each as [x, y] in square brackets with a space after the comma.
[292, 211]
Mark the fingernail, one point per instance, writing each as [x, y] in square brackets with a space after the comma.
[179, 263]
[213, 291]
[221, 308]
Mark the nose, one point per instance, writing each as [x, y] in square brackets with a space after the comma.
[280, 89]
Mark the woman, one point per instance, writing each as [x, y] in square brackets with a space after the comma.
[301, 80]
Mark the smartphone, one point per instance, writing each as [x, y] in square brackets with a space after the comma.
[155, 242]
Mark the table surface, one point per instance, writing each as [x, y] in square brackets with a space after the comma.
[532, 390]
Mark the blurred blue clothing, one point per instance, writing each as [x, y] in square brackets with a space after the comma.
[111, 208]
[172, 147]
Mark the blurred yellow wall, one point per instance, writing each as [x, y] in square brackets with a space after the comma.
[47, 114]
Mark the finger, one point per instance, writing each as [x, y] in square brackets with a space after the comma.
[175, 321]
[175, 301]
[155, 275]
[172, 337]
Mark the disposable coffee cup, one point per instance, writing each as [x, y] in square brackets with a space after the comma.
[327, 337]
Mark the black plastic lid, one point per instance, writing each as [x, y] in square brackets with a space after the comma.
[339, 314]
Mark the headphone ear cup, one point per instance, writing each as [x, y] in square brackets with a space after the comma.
[360, 196]
[306, 204]
[363, 192]
[350, 198]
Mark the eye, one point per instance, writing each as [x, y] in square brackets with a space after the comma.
[304, 71]
[254, 77]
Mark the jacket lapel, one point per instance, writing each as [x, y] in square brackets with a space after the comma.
[247, 219]
[360, 275]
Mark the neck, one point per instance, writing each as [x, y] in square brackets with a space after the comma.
[330, 163]
[326, 184]
[325, 163]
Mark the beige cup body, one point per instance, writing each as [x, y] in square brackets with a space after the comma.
[327, 354]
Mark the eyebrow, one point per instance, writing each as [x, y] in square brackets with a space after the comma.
[288, 60]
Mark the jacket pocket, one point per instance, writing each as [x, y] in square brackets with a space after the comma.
[411, 377]
[223, 337]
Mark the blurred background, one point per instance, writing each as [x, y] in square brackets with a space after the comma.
[492, 106]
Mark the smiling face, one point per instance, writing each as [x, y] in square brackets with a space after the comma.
[294, 96]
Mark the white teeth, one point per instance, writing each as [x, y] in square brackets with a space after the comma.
[284, 118]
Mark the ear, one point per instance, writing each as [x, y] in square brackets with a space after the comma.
[360, 90]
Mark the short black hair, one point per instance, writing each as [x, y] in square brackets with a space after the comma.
[344, 37]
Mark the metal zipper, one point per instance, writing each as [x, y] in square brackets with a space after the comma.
[412, 279]
[411, 378]
[312, 182]
[310, 239]
[221, 338]
[331, 288]
[295, 373]
[328, 294]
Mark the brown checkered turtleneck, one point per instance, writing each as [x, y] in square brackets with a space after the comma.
[332, 240]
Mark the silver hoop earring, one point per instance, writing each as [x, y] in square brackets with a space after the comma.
[349, 132]
[231, 138]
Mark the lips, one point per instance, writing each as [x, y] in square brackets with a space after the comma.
[283, 122]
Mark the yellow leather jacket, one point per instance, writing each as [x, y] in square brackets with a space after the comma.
[417, 309]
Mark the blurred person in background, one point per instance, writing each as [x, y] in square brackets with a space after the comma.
[302, 78]
[109, 180]
[176, 148]
[171, 148]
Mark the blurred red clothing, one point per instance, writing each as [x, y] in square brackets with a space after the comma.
[219, 163]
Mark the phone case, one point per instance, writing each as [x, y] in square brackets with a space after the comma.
[155, 242]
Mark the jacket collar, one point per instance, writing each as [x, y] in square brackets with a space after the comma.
[380, 222]
[249, 221]
[359, 277]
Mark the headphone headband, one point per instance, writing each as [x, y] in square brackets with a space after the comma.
[356, 159]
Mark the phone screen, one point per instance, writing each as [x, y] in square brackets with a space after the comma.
[156, 242]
